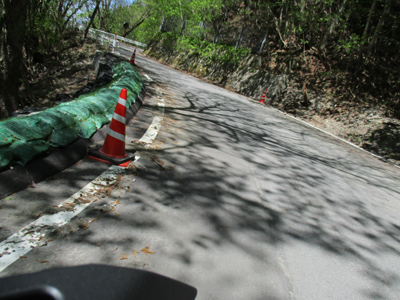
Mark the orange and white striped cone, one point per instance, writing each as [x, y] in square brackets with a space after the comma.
[262, 100]
[132, 61]
[113, 150]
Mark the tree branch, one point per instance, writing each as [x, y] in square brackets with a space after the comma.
[138, 23]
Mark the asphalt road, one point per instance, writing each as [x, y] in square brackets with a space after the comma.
[231, 197]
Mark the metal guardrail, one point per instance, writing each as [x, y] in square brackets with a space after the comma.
[115, 39]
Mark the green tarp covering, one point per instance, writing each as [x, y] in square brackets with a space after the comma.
[23, 138]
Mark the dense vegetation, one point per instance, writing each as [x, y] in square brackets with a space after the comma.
[355, 43]
[351, 46]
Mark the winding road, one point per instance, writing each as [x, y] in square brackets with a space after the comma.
[226, 194]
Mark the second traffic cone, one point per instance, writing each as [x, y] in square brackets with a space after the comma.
[262, 100]
[113, 150]
[132, 61]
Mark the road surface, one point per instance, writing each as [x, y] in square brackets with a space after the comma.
[227, 195]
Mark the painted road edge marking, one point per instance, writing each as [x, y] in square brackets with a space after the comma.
[327, 133]
[155, 126]
[32, 235]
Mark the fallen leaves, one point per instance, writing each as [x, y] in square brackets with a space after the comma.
[147, 251]
[163, 165]
[134, 252]
[84, 226]
[81, 200]
[68, 206]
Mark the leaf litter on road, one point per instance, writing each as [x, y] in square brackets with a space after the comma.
[134, 252]
[147, 251]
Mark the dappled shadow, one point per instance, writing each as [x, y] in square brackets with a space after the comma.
[229, 187]
[275, 182]
[385, 141]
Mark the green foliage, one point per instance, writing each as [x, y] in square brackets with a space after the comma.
[202, 48]
[343, 31]
[353, 43]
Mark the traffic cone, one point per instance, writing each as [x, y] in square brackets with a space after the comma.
[262, 100]
[132, 61]
[113, 150]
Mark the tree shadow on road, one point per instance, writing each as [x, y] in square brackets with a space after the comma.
[230, 185]
[328, 196]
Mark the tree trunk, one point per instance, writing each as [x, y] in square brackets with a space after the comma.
[11, 75]
[138, 23]
[183, 26]
[333, 24]
[218, 33]
[276, 25]
[265, 39]
[378, 27]
[162, 25]
[91, 20]
[104, 14]
[371, 11]
[68, 18]
[239, 40]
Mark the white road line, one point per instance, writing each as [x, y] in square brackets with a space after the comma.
[324, 131]
[148, 78]
[155, 126]
[338, 138]
[32, 235]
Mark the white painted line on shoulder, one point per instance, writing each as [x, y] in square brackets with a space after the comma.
[330, 134]
[148, 78]
[32, 235]
[341, 139]
[155, 126]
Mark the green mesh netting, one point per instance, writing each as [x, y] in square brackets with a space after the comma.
[5, 138]
[75, 109]
[55, 120]
[64, 137]
[24, 151]
[86, 129]
[25, 128]
[6, 156]
[23, 138]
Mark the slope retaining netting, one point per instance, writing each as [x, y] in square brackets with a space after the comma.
[23, 138]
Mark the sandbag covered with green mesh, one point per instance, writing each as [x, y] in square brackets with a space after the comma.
[6, 156]
[24, 151]
[23, 138]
